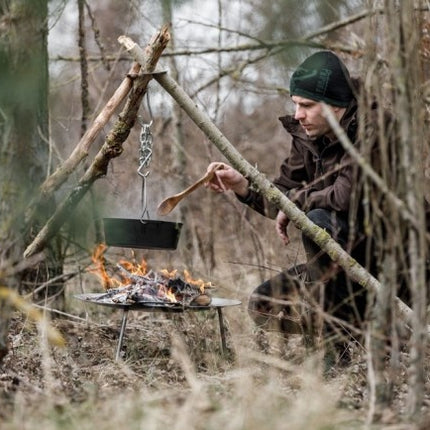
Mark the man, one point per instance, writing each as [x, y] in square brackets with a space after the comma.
[320, 178]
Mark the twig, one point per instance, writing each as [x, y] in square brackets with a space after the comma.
[63, 278]
[96, 32]
[84, 68]
[9, 268]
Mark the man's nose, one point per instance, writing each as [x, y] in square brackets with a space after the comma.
[300, 113]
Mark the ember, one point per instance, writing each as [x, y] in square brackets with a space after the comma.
[133, 283]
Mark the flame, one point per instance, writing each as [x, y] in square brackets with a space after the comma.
[99, 262]
[135, 268]
[138, 269]
[166, 293]
[196, 282]
[167, 274]
[108, 281]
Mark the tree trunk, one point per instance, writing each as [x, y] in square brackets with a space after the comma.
[179, 160]
[24, 132]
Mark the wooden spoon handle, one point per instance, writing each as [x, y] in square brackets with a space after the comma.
[207, 177]
[168, 204]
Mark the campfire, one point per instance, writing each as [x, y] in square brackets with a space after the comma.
[130, 286]
[133, 283]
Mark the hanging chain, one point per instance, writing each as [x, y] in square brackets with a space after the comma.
[145, 157]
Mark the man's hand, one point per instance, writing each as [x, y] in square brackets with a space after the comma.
[227, 178]
[281, 227]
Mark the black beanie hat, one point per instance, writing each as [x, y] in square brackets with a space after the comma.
[322, 77]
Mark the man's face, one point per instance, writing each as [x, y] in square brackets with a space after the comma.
[309, 114]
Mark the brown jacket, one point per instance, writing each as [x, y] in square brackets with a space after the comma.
[316, 174]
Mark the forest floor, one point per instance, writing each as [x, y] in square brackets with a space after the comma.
[173, 373]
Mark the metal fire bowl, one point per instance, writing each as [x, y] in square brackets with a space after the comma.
[216, 302]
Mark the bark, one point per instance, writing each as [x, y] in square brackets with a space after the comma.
[379, 317]
[411, 132]
[111, 148]
[84, 68]
[354, 270]
[23, 134]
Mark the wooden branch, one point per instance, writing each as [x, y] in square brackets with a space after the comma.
[113, 145]
[354, 270]
[82, 148]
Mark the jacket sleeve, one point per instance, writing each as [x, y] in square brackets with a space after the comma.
[292, 176]
[336, 196]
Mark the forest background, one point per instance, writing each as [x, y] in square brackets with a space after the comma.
[60, 64]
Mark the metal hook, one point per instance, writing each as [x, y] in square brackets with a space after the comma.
[144, 201]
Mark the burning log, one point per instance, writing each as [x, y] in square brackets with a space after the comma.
[156, 288]
[134, 284]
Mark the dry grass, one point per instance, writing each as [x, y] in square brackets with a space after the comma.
[174, 375]
[162, 382]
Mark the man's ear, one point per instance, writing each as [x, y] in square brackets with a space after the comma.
[338, 111]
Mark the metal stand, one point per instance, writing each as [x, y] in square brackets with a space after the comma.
[121, 334]
[222, 331]
[124, 324]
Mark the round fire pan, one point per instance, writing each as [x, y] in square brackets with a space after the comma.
[97, 299]
[145, 234]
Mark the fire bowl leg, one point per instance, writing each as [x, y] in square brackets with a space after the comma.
[121, 334]
[222, 331]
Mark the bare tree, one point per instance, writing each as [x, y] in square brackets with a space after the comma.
[25, 137]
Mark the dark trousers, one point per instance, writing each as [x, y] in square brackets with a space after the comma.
[288, 300]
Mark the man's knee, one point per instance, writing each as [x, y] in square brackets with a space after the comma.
[272, 305]
[334, 224]
[270, 315]
[321, 217]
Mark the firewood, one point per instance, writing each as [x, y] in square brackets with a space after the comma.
[201, 300]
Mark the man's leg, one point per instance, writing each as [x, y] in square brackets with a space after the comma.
[319, 263]
[276, 304]
[331, 288]
[343, 298]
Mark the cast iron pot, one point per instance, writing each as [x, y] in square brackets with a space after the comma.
[145, 234]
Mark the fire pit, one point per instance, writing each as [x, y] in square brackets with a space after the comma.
[216, 303]
[134, 288]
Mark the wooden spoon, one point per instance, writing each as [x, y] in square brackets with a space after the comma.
[168, 204]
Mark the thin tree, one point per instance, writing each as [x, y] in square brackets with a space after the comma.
[24, 139]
